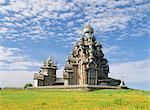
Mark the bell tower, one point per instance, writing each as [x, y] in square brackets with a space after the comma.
[47, 73]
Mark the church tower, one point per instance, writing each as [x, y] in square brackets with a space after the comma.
[47, 74]
[86, 64]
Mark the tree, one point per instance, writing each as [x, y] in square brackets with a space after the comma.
[28, 85]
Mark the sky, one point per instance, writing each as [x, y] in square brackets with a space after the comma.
[32, 30]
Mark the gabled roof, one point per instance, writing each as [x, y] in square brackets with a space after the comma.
[38, 76]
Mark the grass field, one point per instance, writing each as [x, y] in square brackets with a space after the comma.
[65, 100]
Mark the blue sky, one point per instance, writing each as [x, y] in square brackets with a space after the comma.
[32, 30]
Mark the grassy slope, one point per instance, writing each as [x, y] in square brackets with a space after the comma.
[61, 100]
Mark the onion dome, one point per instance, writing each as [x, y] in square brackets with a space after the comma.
[66, 75]
[72, 59]
[49, 59]
[88, 29]
[104, 61]
[86, 60]
[98, 44]
[91, 57]
[68, 66]
[76, 44]
[91, 50]
[93, 39]
[85, 38]
[82, 39]
[43, 64]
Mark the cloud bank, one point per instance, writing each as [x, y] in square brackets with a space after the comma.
[36, 19]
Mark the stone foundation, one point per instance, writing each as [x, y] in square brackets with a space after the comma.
[77, 87]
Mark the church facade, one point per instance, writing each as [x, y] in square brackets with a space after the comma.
[86, 64]
[47, 74]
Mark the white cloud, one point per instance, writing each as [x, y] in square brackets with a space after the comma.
[66, 15]
[114, 3]
[70, 24]
[78, 32]
[3, 30]
[7, 53]
[108, 20]
[133, 71]
[18, 65]
[111, 50]
[15, 68]
[56, 16]
[17, 6]
[12, 59]
[2, 1]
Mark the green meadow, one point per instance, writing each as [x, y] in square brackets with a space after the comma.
[74, 100]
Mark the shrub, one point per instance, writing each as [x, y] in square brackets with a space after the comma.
[28, 85]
